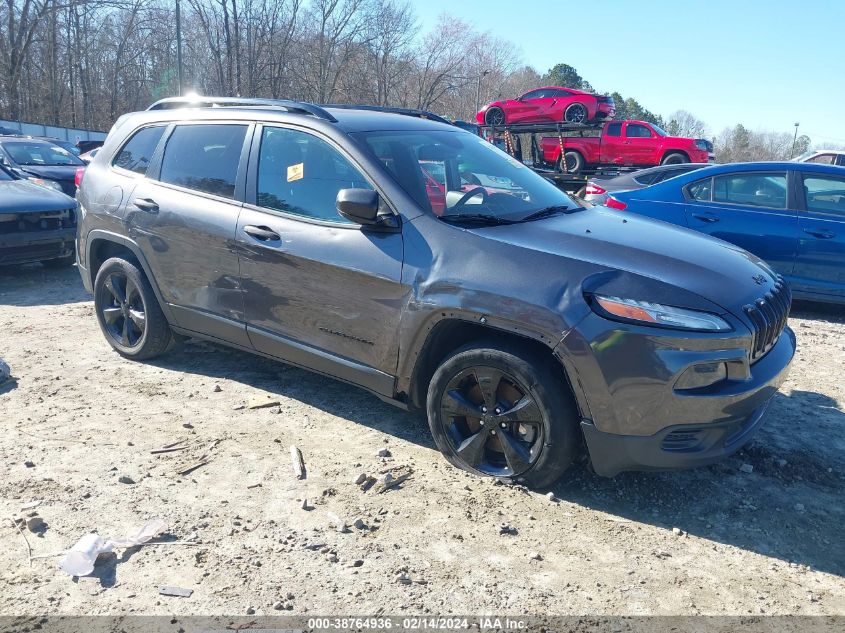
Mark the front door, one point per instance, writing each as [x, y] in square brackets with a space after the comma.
[320, 291]
[639, 144]
[749, 209]
[184, 216]
[820, 265]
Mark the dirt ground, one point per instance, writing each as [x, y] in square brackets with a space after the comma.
[768, 541]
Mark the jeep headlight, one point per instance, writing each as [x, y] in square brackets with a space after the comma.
[657, 314]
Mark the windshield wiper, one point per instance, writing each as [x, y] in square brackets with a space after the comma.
[546, 212]
[476, 218]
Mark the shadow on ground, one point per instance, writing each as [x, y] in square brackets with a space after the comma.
[755, 511]
[35, 285]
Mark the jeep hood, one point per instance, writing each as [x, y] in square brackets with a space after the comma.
[720, 273]
[52, 172]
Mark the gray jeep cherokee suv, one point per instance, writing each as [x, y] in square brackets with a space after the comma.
[418, 261]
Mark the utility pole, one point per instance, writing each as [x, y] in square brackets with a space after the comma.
[794, 139]
[179, 47]
[478, 90]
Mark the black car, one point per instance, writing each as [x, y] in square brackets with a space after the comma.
[599, 188]
[36, 224]
[418, 261]
[41, 161]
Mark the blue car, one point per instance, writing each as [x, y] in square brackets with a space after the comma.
[790, 214]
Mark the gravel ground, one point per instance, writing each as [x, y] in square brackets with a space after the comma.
[760, 533]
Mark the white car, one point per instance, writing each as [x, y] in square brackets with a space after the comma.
[824, 157]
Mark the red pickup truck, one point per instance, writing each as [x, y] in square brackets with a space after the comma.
[625, 143]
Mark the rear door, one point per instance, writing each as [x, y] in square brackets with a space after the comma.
[820, 265]
[321, 291]
[750, 209]
[184, 216]
[612, 144]
[640, 143]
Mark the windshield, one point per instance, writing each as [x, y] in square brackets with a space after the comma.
[36, 153]
[460, 174]
[660, 131]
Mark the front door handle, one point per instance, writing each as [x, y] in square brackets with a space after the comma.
[146, 204]
[263, 233]
[822, 234]
[705, 217]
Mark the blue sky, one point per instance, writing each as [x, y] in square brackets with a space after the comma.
[763, 63]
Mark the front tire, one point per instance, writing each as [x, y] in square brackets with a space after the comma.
[674, 158]
[128, 311]
[500, 411]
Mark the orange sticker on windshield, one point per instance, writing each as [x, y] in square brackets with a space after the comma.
[296, 172]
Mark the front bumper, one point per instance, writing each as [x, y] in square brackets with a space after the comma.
[633, 418]
[36, 246]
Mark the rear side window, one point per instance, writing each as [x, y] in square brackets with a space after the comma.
[840, 160]
[823, 159]
[204, 158]
[635, 130]
[614, 129]
[758, 190]
[648, 179]
[136, 154]
[700, 190]
[302, 174]
[825, 194]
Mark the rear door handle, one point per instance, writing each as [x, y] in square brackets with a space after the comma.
[705, 217]
[822, 234]
[263, 233]
[146, 204]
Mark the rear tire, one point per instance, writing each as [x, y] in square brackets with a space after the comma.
[576, 113]
[674, 158]
[571, 162]
[499, 411]
[128, 311]
[495, 116]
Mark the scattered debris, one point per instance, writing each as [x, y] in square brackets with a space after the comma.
[32, 504]
[507, 528]
[677, 531]
[361, 478]
[125, 479]
[262, 402]
[383, 452]
[298, 462]
[187, 425]
[550, 496]
[359, 524]
[16, 523]
[781, 462]
[536, 556]
[388, 480]
[5, 371]
[305, 505]
[35, 524]
[79, 559]
[338, 523]
[799, 507]
[368, 483]
[747, 468]
[29, 463]
[403, 578]
[217, 389]
[176, 446]
[178, 592]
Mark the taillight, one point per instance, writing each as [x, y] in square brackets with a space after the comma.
[595, 190]
[77, 177]
[613, 203]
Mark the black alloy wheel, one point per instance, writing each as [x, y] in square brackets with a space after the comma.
[576, 113]
[494, 425]
[495, 116]
[123, 311]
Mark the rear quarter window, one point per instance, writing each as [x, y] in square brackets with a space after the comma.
[700, 190]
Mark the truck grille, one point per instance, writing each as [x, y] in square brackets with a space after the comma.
[768, 315]
[33, 222]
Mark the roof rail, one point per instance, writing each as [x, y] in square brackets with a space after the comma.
[420, 114]
[298, 107]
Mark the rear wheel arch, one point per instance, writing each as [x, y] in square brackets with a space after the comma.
[103, 245]
[450, 333]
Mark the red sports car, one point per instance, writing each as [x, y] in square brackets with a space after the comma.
[552, 103]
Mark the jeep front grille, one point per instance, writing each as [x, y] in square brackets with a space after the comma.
[768, 316]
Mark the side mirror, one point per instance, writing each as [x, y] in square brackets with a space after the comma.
[358, 205]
